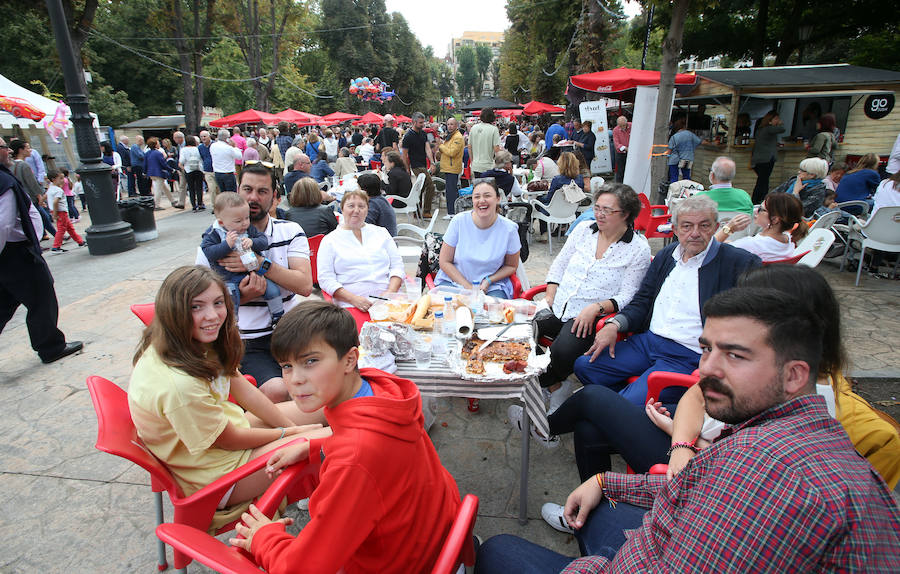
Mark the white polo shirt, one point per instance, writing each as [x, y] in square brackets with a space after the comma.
[286, 240]
[223, 157]
[676, 311]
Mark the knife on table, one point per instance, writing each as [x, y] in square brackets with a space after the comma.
[495, 337]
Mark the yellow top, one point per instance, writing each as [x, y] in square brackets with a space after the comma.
[179, 417]
[870, 431]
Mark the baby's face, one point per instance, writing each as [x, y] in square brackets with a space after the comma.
[235, 219]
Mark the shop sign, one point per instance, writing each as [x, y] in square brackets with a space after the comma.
[879, 106]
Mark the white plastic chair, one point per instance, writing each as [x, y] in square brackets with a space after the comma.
[414, 251]
[559, 211]
[826, 221]
[881, 232]
[726, 216]
[817, 242]
[411, 202]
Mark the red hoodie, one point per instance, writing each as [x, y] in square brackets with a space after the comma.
[384, 501]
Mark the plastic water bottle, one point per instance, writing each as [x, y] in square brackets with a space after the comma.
[248, 257]
[449, 325]
[476, 301]
[438, 341]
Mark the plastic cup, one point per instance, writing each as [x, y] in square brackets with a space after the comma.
[422, 353]
[495, 312]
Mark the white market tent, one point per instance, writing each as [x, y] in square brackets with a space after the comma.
[35, 131]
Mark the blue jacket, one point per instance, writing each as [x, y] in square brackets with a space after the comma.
[137, 156]
[206, 157]
[320, 171]
[215, 247]
[719, 271]
[125, 154]
[552, 131]
[155, 164]
[312, 150]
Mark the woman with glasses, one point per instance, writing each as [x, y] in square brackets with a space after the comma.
[780, 216]
[598, 271]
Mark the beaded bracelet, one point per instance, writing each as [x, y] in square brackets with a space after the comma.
[282, 433]
[688, 445]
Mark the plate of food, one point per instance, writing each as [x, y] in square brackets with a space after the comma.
[509, 357]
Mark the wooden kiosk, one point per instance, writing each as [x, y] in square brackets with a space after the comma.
[862, 99]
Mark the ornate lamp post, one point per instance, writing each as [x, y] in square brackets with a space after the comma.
[107, 233]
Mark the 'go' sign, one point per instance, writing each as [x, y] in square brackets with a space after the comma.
[878, 106]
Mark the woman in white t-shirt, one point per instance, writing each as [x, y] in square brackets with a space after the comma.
[780, 216]
[185, 368]
[358, 259]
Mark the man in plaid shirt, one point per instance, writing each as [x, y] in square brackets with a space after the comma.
[781, 490]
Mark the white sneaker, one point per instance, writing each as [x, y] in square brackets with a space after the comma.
[514, 414]
[553, 515]
[560, 395]
[447, 217]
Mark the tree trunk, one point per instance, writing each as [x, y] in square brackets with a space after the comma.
[79, 24]
[671, 53]
[759, 46]
[789, 40]
[191, 121]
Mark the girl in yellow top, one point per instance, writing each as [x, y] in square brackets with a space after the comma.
[185, 368]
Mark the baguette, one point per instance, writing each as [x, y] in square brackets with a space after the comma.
[422, 307]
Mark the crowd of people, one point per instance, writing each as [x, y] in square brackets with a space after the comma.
[768, 440]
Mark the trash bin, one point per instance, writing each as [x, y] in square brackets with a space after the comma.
[138, 211]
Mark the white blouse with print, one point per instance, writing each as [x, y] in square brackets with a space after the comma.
[583, 279]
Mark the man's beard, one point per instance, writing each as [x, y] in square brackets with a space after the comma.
[260, 215]
[734, 410]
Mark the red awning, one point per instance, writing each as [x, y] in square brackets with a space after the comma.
[534, 108]
[622, 79]
[338, 118]
[369, 118]
[296, 117]
[502, 113]
[402, 118]
[246, 117]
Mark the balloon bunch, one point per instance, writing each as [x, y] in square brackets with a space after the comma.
[448, 102]
[373, 90]
[58, 124]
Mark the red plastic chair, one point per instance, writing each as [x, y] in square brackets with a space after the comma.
[144, 311]
[792, 260]
[546, 341]
[458, 547]
[648, 223]
[359, 316]
[314, 242]
[116, 435]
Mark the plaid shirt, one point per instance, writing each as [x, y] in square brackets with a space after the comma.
[782, 492]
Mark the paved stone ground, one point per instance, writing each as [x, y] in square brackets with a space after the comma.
[69, 508]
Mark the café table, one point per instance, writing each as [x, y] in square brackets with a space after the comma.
[439, 380]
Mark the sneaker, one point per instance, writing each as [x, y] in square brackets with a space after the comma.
[447, 217]
[560, 395]
[553, 515]
[82, 244]
[514, 414]
[201, 208]
[57, 250]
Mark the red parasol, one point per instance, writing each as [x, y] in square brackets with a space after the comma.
[622, 79]
[369, 118]
[292, 116]
[338, 118]
[534, 108]
[402, 118]
[246, 117]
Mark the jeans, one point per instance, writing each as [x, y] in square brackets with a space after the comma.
[602, 535]
[640, 354]
[763, 172]
[604, 422]
[272, 297]
[621, 158]
[451, 191]
[226, 181]
[427, 190]
[70, 204]
[132, 190]
[49, 228]
[195, 187]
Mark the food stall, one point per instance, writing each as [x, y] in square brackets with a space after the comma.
[862, 100]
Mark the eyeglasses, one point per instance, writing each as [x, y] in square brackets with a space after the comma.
[266, 164]
[4, 146]
[606, 210]
[760, 208]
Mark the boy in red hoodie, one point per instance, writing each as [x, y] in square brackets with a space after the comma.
[384, 501]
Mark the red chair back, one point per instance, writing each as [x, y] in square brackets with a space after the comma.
[144, 311]
[793, 260]
[659, 380]
[116, 434]
[314, 242]
[643, 218]
[359, 316]
[459, 547]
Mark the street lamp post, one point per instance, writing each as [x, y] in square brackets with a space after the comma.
[107, 233]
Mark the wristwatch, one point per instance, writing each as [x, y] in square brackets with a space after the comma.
[614, 322]
[726, 229]
[264, 266]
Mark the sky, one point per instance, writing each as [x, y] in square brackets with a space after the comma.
[436, 23]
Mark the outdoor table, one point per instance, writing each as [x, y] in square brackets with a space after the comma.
[439, 380]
